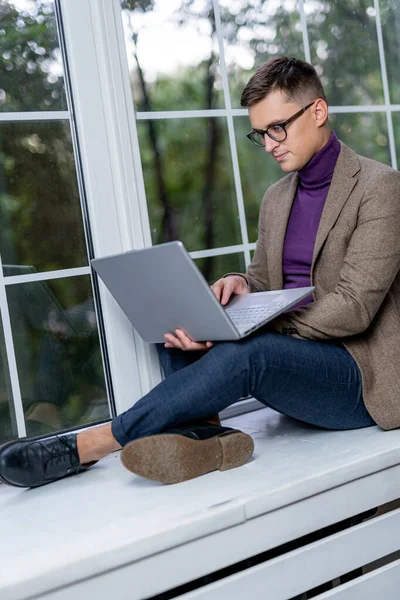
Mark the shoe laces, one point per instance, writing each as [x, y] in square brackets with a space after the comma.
[61, 451]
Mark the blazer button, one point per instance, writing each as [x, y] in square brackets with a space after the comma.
[290, 331]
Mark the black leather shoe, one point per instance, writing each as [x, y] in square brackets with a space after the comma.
[34, 462]
[187, 452]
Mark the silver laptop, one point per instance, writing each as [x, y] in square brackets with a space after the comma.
[161, 289]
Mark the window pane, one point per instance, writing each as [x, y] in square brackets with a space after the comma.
[8, 429]
[31, 74]
[258, 170]
[365, 133]
[396, 126]
[172, 54]
[255, 32]
[390, 17]
[58, 353]
[189, 182]
[344, 49]
[40, 211]
[214, 267]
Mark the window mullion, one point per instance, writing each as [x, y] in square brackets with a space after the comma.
[11, 359]
[231, 131]
[385, 83]
[303, 20]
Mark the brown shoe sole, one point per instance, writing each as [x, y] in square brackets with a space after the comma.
[171, 458]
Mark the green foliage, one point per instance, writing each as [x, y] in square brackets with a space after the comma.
[338, 31]
[41, 222]
[185, 90]
[30, 64]
[142, 5]
[190, 138]
[251, 29]
[390, 18]
[216, 266]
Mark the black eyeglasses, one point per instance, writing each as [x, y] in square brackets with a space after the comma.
[276, 132]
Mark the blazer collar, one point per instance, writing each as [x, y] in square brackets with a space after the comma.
[343, 181]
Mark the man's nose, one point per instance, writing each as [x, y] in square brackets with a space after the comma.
[270, 144]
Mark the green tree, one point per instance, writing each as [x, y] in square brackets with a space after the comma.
[30, 62]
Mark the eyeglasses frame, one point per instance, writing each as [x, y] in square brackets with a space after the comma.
[284, 124]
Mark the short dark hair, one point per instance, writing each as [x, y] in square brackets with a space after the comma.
[297, 79]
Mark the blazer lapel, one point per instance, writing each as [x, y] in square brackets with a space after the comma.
[343, 182]
[281, 205]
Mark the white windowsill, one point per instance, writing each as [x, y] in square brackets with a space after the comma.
[98, 521]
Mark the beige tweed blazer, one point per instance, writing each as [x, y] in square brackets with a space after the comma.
[355, 271]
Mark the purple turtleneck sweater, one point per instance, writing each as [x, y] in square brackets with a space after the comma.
[312, 190]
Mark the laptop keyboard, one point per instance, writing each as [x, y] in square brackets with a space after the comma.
[254, 314]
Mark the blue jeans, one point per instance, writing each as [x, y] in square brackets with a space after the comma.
[315, 382]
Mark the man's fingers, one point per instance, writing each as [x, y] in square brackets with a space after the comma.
[183, 342]
[216, 288]
[225, 287]
[173, 342]
[186, 342]
[227, 291]
[222, 289]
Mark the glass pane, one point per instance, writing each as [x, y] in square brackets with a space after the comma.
[58, 353]
[255, 32]
[8, 429]
[189, 182]
[365, 133]
[396, 126]
[172, 54]
[40, 211]
[390, 17]
[344, 50]
[214, 267]
[31, 73]
[258, 170]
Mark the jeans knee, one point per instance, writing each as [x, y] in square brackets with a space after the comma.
[231, 356]
[252, 357]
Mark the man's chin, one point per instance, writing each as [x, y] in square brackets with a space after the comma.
[287, 168]
[288, 165]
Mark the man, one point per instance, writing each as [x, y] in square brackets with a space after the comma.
[333, 361]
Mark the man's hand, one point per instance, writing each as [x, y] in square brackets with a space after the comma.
[180, 340]
[223, 290]
[225, 287]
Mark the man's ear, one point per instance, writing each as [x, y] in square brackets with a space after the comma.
[320, 112]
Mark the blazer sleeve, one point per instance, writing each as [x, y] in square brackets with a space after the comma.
[257, 271]
[371, 263]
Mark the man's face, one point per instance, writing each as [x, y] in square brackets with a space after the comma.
[305, 136]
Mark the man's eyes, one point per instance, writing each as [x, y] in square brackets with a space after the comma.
[275, 128]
